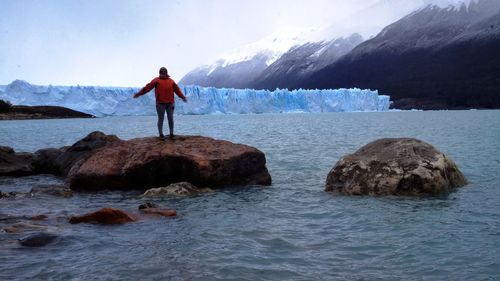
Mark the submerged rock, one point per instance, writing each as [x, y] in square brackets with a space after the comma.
[151, 162]
[54, 190]
[160, 211]
[10, 194]
[151, 208]
[103, 216]
[23, 226]
[395, 166]
[38, 239]
[147, 205]
[175, 189]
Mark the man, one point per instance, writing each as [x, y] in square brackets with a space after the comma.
[164, 93]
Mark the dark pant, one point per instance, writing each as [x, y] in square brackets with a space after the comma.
[160, 109]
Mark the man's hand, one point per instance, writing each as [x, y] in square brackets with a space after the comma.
[136, 95]
[185, 99]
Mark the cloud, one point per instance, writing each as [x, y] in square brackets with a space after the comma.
[123, 43]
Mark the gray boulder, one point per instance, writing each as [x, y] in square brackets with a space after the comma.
[395, 166]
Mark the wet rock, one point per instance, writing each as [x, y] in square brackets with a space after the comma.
[395, 166]
[46, 161]
[81, 150]
[103, 216]
[147, 205]
[54, 190]
[16, 163]
[52, 160]
[159, 211]
[150, 162]
[38, 239]
[175, 189]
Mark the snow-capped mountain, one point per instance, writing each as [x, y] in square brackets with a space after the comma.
[302, 60]
[240, 67]
[273, 59]
[269, 63]
[436, 57]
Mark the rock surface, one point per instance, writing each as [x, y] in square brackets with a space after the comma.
[15, 163]
[82, 149]
[103, 216]
[397, 166]
[52, 160]
[151, 162]
[175, 189]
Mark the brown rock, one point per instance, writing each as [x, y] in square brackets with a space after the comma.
[83, 149]
[398, 166]
[150, 162]
[52, 160]
[103, 216]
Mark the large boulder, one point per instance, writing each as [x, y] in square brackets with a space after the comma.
[395, 166]
[81, 150]
[16, 163]
[151, 162]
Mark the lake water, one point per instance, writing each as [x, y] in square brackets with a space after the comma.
[291, 230]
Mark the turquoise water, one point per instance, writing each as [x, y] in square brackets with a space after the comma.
[291, 230]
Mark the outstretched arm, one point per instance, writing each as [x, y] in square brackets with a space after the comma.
[179, 93]
[146, 89]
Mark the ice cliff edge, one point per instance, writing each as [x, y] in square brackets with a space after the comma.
[107, 101]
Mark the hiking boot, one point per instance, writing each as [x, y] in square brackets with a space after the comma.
[162, 137]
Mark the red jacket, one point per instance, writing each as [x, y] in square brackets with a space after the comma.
[164, 90]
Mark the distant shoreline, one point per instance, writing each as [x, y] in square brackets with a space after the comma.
[24, 112]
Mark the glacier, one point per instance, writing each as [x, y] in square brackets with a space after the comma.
[110, 101]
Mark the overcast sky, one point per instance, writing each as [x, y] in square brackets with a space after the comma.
[124, 43]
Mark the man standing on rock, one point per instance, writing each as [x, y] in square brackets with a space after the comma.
[165, 88]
